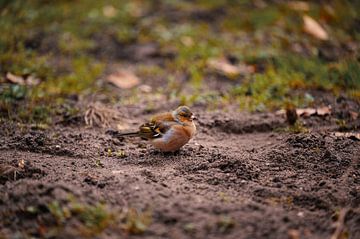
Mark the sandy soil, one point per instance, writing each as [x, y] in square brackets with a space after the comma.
[240, 177]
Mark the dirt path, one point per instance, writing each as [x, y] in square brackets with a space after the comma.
[252, 183]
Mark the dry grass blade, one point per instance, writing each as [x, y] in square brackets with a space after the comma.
[340, 225]
[100, 116]
[8, 172]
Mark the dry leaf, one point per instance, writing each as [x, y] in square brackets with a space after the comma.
[21, 164]
[187, 41]
[122, 127]
[294, 234]
[323, 111]
[350, 135]
[15, 79]
[20, 80]
[223, 66]
[145, 88]
[280, 112]
[313, 28]
[124, 79]
[109, 11]
[32, 80]
[299, 5]
[306, 112]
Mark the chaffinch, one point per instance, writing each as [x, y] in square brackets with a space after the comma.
[169, 131]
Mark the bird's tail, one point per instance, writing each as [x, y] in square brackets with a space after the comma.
[115, 133]
[128, 134]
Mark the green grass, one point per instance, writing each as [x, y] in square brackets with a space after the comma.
[58, 43]
[93, 219]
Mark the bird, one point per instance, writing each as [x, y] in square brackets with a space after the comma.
[169, 131]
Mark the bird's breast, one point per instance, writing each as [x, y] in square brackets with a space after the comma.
[173, 139]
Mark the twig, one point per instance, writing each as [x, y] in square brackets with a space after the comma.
[340, 224]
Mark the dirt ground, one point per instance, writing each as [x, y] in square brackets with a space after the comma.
[242, 176]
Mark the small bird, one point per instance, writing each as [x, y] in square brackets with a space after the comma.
[169, 131]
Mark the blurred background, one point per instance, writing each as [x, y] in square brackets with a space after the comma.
[56, 56]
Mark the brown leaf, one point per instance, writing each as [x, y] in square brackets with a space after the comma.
[124, 79]
[187, 41]
[299, 5]
[350, 135]
[294, 234]
[145, 88]
[20, 80]
[224, 67]
[32, 80]
[306, 112]
[322, 111]
[280, 112]
[15, 79]
[21, 164]
[109, 11]
[313, 28]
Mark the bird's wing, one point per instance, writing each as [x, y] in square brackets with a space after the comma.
[157, 127]
[163, 117]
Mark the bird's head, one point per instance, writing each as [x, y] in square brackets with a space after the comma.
[183, 114]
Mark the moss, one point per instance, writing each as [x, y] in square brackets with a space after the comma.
[93, 218]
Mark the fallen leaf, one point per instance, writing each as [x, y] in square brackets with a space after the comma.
[109, 11]
[306, 112]
[124, 79]
[187, 41]
[294, 234]
[280, 112]
[313, 28]
[323, 111]
[32, 80]
[20, 80]
[145, 88]
[350, 135]
[122, 127]
[224, 67]
[15, 79]
[21, 164]
[299, 5]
